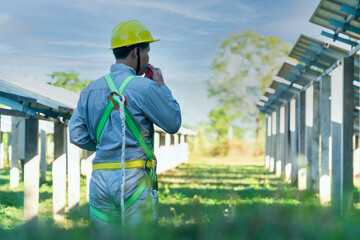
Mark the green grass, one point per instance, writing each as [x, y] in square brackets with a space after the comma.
[207, 198]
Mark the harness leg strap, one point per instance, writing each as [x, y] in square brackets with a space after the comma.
[128, 203]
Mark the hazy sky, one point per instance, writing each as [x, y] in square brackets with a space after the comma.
[38, 37]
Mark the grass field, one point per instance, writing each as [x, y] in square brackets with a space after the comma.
[207, 198]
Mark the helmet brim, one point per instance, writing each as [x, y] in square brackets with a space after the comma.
[128, 45]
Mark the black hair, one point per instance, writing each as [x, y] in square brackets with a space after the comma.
[123, 52]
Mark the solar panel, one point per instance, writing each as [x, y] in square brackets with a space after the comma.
[316, 54]
[297, 74]
[32, 97]
[341, 16]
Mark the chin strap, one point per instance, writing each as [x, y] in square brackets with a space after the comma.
[138, 61]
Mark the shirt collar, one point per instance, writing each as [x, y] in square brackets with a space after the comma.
[122, 67]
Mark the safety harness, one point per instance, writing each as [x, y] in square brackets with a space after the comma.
[118, 101]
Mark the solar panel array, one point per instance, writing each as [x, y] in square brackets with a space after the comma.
[36, 97]
[315, 57]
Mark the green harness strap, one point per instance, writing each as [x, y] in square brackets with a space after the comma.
[106, 114]
[129, 121]
[138, 136]
[128, 203]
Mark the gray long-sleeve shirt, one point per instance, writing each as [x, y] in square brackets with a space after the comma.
[148, 104]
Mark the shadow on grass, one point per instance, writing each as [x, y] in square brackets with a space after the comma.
[262, 183]
[208, 170]
[12, 199]
[81, 211]
[247, 221]
[15, 198]
[197, 218]
[226, 185]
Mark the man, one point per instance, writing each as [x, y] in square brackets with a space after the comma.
[148, 102]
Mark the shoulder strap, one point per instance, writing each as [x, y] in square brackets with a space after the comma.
[134, 129]
[109, 107]
[129, 121]
[111, 83]
[138, 136]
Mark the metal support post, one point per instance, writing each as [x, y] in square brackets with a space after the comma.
[342, 129]
[293, 141]
[325, 131]
[301, 158]
[31, 170]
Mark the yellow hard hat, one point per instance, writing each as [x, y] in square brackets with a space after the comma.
[130, 33]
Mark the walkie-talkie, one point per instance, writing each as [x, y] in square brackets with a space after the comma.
[148, 72]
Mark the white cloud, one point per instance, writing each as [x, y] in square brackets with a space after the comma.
[78, 43]
[51, 62]
[4, 19]
[174, 37]
[6, 22]
[6, 49]
[200, 10]
[288, 22]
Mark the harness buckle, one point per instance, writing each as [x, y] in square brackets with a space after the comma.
[145, 167]
[113, 102]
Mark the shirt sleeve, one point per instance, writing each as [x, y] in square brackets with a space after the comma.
[161, 108]
[79, 134]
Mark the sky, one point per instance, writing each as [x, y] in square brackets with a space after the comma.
[39, 37]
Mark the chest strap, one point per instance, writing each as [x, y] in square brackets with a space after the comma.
[138, 163]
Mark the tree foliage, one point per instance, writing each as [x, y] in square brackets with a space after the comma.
[220, 119]
[69, 81]
[243, 68]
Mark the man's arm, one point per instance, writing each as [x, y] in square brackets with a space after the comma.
[159, 105]
[79, 134]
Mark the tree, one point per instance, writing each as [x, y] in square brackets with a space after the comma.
[243, 68]
[69, 81]
[220, 118]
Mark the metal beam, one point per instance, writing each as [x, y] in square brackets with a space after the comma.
[294, 78]
[15, 113]
[325, 51]
[16, 105]
[311, 62]
[317, 57]
[354, 50]
[353, 11]
[308, 69]
[304, 75]
[345, 26]
[17, 98]
[337, 38]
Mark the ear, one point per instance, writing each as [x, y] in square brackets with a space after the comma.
[134, 53]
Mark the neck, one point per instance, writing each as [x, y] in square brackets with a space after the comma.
[130, 60]
[127, 62]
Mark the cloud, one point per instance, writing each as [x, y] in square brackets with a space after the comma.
[5, 18]
[11, 27]
[289, 21]
[6, 49]
[173, 37]
[210, 11]
[78, 43]
[51, 61]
